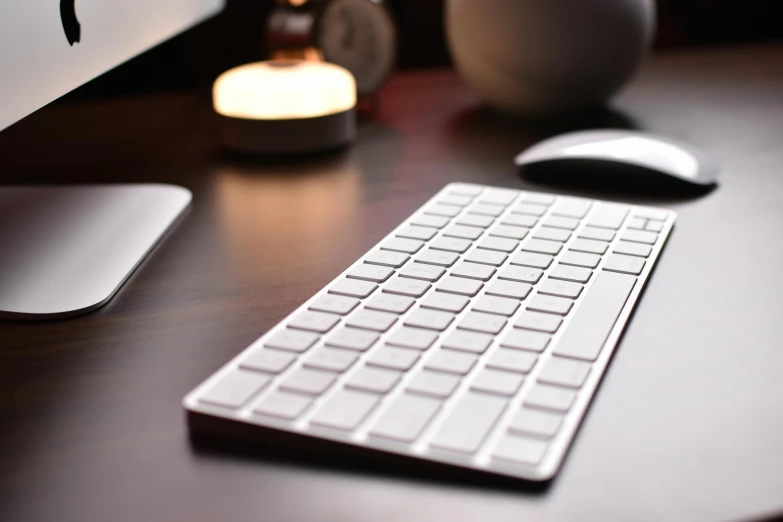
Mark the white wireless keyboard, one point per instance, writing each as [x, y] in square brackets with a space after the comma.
[475, 334]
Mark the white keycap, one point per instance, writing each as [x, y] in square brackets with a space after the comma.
[443, 210]
[236, 388]
[632, 249]
[538, 199]
[430, 319]
[293, 340]
[496, 305]
[463, 231]
[571, 273]
[570, 257]
[564, 372]
[412, 338]
[519, 220]
[353, 288]
[572, 207]
[387, 258]
[406, 286]
[335, 304]
[396, 304]
[542, 246]
[481, 322]
[422, 271]
[650, 213]
[521, 274]
[468, 424]
[525, 340]
[499, 196]
[445, 302]
[429, 220]
[512, 360]
[520, 450]
[437, 257]
[352, 338]
[450, 361]
[608, 216]
[486, 257]
[498, 382]
[537, 423]
[562, 222]
[345, 410]
[560, 288]
[372, 320]
[654, 226]
[475, 220]
[368, 272]
[417, 232]
[450, 244]
[550, 398]
[406, 418]
[331, 359]
[552, 234]
[509, 289]
[433, 384]
[486, 209]
[459, 286]
[394, 358]
[590, 246]
[532, 260]
[269, 361]
[473, 271]
[530, 208]
[309, 382]
[637, 223]
[455, 199]
[406, 246]
[549, 304]
[624, 264]
[538, 321]
[373, 380]
[639, 236]
[509, 231]
[501, 244]
[314, 321]
[467, 341]
[601, 234]
[284, 405]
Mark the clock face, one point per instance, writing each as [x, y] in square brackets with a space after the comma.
[360, 36]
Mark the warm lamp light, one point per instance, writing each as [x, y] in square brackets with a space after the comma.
[286, 106]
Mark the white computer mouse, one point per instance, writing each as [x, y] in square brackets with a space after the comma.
[623, 154]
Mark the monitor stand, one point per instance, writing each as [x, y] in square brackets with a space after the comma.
[66, 250]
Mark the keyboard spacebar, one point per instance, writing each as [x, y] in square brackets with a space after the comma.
[595, 318]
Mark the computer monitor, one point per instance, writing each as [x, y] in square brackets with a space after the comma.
[67, 249]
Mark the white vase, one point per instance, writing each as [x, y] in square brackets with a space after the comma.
[548, 56]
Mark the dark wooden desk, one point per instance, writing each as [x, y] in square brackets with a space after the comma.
[688, 424]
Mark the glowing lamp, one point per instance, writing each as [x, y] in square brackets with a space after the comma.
[286, 107]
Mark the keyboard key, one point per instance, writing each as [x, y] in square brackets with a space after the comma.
[552, 234]
[654, 226]
[560, 288]
[437, 257]
[459, 286]
[486, 257]
[532, 260]
[481, 322]
[585, 336]
[345, 410]
[430, 319]
[538, 321]
[530, 208]
[571, 273]
[562, 222]
[429, 220]
[396, 304]
[538, 199]
[309, 382]
[499, 196]
[500, 244]
[406, 418]
[314, 321]
[509, 289]
[624, 264]
[269, 361]
[520, 450]
[473, 271]
[512, 360]
[632, 249]
[537, 423]
[519, 220]
[550, 398]
[601, 234]
[373, 380]
[497, 382]
[443, 210]
[393, 358]
[235, 388]
[433, 384]
[406, 246]
[370, 320]
[475, 220]
[525, 340]
[451, 244]
[467, 341]
[292, 340]
[639, 236]
[387, 258]
[580, 259]
[509, 231]
[469, 422]
[542, 246]
[368, 272]
[417, 232]
[637, 223]
[422, 271]
[564, 372]
[496, 305]
[649, 213]
[335, 304]
[609, 216]
[406, 286]
[287, 406]
[466, 189]
[331, 359]
[455, 199]
[464, 232]
[353, 288]
[549, 304]
[521, 274]
[590, 246]
[572, 207]
[412, 338]
[449, 361]
[352, 338]
[445, 302]
[486, 209]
